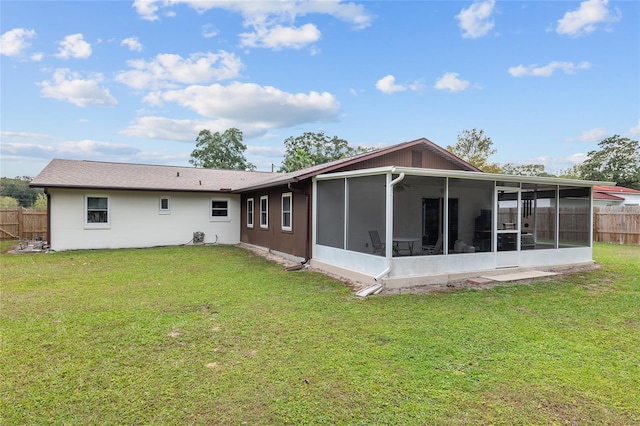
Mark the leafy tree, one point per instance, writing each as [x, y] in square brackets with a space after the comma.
[616, 160]
[311, 149]
[41, 202]
[19, 189]
[220, 151]
[8, 202]
[525, 170]
[475, 148]
[572, 172]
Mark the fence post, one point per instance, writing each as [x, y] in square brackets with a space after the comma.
[21, 222]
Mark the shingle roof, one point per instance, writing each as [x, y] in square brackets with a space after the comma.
[281, 178]
[615, 189]
[103, 175]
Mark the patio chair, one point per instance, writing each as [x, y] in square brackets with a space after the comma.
[433, 248]
[378, 246]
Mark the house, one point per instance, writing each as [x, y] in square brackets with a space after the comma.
[403, 215]
[615, 196]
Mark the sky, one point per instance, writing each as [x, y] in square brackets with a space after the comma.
[136, 82]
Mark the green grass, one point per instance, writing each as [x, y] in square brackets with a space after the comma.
[217, 335]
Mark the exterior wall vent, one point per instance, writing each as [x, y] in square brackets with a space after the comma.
[198, 237]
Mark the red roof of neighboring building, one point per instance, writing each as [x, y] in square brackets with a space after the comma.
[597, 195]
[615, 189]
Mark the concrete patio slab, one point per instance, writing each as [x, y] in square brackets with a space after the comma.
[519, 276]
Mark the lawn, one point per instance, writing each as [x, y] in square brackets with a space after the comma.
[218, 335]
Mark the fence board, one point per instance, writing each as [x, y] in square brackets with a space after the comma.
[24, 224]
[617, 224]
[611, 224]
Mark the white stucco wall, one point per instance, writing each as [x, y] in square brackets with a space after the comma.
[135, 219]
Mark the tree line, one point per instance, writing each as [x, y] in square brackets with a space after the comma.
[15, 192]
[617, 158]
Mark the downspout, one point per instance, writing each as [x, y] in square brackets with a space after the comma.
[46, 191]
[389, 225]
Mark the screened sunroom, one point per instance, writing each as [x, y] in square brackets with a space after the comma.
[410, 226]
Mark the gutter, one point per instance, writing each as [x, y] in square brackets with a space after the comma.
[389, 215]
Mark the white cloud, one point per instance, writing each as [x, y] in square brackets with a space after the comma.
[132, 43]
[272, 24]
[593, 135]
[186, 130]
[278, 37]
[208, 31]
[250, 103]
[387, 84]
[74, 46]
[261, 10]
[81, 149]
[168, 69]
[635, 131]
[13, 42]
[37, 57]
[547, 70]
[577, 158]
[147, 9]
[24, 135]
[475, 21]
[584, 20]
[70, 87]
[450, 81]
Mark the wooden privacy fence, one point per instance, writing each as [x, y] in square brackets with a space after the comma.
[617, 224]
[23, 224]
[611, 224]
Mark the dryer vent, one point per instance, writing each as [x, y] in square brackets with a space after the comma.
[198, 237]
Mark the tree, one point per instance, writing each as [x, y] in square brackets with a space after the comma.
[311, 149]
[19, 189]
[525, 170]
[7, 202]
[475, 148]
[41, 202]
[220, 151]
[617, 160]
[572, 172]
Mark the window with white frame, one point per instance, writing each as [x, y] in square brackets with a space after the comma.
[219, 209]
[264, 211]
[250, 212]
[164, 205]
[97, 210]
[286, 211]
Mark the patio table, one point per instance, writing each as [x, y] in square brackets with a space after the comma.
[408, 241]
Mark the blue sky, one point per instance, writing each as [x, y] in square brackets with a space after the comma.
[137, 81]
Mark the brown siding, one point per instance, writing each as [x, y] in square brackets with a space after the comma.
[293, 242]
[405, 158]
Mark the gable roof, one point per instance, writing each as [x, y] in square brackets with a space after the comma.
[105, 175]
[332, 166]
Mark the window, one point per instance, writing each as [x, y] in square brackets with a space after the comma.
[286, 211]
[165, 205]
[250, 212]
[97, 210]
[219, 210]
[264, 211]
